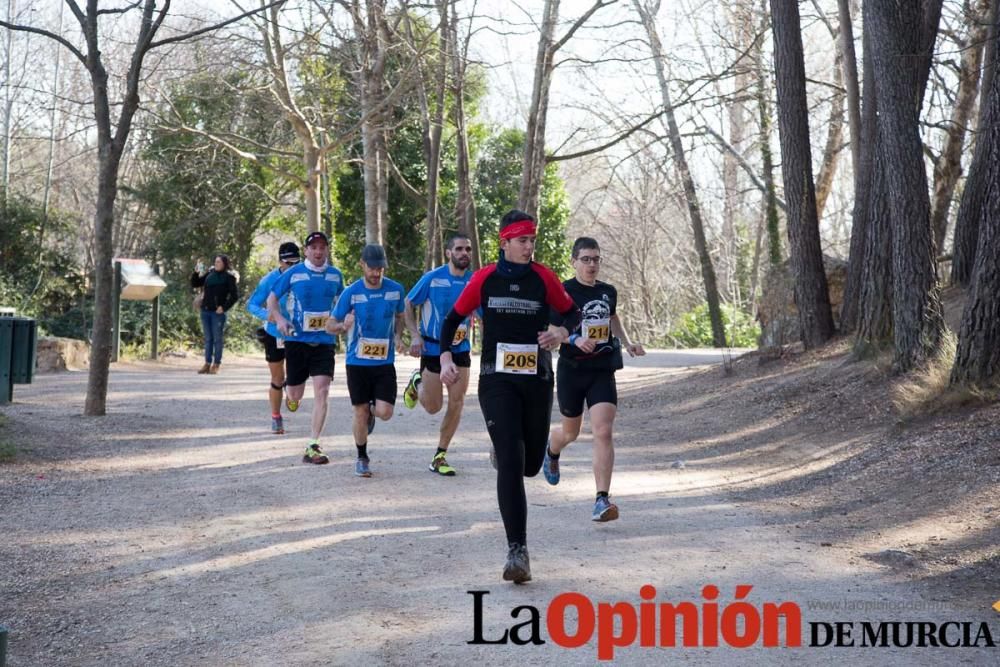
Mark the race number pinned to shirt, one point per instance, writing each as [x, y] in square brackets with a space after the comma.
[312, 321]
[461, 333]
[375, 349]
[518, 359]
[598, 331]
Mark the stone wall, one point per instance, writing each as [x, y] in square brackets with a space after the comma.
[778, 316]
[62, 354]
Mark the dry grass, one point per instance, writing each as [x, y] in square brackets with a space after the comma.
[926, 390]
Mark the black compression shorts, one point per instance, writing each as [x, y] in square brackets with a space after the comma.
[272, 352]
[577, 385]
[371, 383]
[305, 360]
[432, 363]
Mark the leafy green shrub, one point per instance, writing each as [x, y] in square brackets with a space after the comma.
[40, 275]
[695, 328]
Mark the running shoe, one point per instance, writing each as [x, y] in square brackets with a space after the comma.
[291, 404]
[493, 457]
[315, 455]
[518, 566]
[361, 468]
[277, 425]
[604, 510]
[440, 466]
[550, 468]
[371, 417]
[410, 394]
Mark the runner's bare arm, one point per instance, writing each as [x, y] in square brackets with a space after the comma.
[274, 314]
[618, 331]
[416, 341]
[335, 326]
[400, 323]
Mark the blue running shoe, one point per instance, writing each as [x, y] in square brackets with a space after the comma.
[550, 468]
[277, 425]
[361, 468]
[604, 510]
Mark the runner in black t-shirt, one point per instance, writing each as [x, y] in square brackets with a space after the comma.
[586, 372]
[515, 383]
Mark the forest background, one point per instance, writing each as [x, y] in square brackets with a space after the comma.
[708, 146]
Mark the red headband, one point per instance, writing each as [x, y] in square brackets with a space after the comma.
[519, 228]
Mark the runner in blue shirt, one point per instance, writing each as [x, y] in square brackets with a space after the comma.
[433, 296]
[372, 311]
[269, 336]
[312, 288]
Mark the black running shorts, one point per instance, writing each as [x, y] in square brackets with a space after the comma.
[433, 363]
[305, 360]
[371, 383]
[576, 385]
[272, 352]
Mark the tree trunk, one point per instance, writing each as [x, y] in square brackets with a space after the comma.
[734, 278]
[875, 288]
[849, 62]
[834, 139]
[690, 194]
[311, 186]
[977, 358]
[534, 139]
[918, 322]
[948, 167]
[974, 193]
[465, 202]
[101, 338]
[765, 118]
[861, 215]
[8, 105]
[812, 296]
[436, 127]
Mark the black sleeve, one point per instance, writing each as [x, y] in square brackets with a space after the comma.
[233, 292]
[197, 280]
[448, 328]
[570, 319]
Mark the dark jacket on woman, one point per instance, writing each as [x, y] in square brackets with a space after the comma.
[220, 289]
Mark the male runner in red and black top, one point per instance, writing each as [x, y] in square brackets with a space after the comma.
[516, 379]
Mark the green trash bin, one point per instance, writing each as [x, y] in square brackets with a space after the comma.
[18, 353]
[25, 349]
[6, 356]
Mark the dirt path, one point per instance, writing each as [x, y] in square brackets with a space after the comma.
[178, 531]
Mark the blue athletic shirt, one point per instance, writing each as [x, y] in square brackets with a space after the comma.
[257, 305]
[311, 295]
[371, 342]
[435, 293]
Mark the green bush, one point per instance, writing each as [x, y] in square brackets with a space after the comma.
[695, 328]
[39, 274]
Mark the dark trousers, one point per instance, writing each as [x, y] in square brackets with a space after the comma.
[517, 412]
[213, 323]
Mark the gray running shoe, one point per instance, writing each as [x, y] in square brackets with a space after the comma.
[518, 566]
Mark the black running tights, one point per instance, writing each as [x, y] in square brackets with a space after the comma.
[517, 410]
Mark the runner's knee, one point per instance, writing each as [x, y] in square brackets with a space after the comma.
[431, 404]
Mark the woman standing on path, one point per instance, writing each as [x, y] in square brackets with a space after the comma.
[219, 295]
[516, 379]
